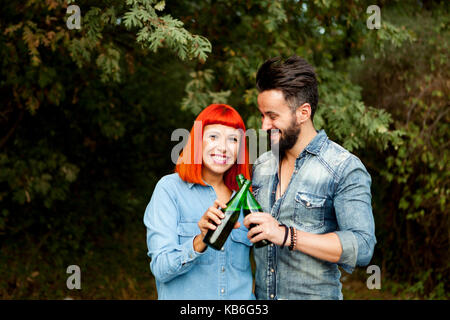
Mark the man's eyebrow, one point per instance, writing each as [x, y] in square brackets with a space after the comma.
[267, 112]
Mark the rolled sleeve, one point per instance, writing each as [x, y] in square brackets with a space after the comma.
[354, 215]
[169, 258]
[349, 250]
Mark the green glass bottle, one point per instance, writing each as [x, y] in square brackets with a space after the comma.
[251, 205]
[216, 238]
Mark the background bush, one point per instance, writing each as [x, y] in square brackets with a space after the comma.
[87, 115]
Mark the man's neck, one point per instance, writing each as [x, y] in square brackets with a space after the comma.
[307, 134]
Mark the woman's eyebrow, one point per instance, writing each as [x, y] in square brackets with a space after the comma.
[212, 131]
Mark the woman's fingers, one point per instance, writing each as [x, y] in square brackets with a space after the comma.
[214, 217]
[220, 204]
[209, 225]
[215, 212]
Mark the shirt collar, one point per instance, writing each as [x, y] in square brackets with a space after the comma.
[317, 143]
[190, 185]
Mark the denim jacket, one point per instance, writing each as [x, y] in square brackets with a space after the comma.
[180, 272]
[329, 191]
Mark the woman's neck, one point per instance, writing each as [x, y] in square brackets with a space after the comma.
[214, 180]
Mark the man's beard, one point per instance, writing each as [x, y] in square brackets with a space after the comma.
[288, 138]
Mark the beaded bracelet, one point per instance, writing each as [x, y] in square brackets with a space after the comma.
[286, 232]
[293, 238]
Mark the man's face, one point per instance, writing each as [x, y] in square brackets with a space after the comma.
[276, 114]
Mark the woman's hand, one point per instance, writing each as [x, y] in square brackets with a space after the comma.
[212, 217]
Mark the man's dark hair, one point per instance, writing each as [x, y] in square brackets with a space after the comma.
[295, 77]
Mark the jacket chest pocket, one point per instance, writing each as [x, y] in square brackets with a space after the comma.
[186, 232]
[309, 210]
[240, 249]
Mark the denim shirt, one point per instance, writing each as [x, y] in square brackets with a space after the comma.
[180, 272]
[329, 191]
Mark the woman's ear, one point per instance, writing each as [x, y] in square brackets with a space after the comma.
[303, 113]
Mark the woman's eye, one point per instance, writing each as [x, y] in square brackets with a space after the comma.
[233, 139]
[213, 137]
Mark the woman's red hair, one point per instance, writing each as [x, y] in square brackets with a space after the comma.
[189, 164]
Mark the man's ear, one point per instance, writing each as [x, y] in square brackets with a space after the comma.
[303, 113]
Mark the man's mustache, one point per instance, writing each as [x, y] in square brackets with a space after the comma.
[270, 132]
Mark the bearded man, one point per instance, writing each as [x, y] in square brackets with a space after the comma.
[315, 194]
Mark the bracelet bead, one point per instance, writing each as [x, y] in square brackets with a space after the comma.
[293, 238]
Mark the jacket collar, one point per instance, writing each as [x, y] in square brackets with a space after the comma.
[317, 143]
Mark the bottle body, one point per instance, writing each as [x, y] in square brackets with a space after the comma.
[217, 238]
[251, 205]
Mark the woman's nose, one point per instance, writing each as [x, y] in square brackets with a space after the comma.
[222, 145]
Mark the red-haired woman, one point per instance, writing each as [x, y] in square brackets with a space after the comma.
[184, 205]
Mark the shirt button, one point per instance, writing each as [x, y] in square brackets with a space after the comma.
[272, 270]
[308, 204]
[272, 296]
[223, 249]
[222, 290]
[223, 269]
[271, 244]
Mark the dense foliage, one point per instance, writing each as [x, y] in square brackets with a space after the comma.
[87, 115]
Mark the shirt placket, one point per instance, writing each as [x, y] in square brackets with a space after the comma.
[272, 252]
[223, 290]
[221, 262]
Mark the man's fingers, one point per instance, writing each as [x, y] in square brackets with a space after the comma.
[254, 218]
[254, 231]
[258, 237]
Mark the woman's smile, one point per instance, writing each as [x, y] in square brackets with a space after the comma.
[219, 158]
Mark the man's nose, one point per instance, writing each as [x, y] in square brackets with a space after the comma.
[266, 124]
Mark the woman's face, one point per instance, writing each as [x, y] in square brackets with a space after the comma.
[220, 147]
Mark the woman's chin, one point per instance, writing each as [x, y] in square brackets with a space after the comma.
[219, 168]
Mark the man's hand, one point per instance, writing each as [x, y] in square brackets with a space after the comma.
[267, 227]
